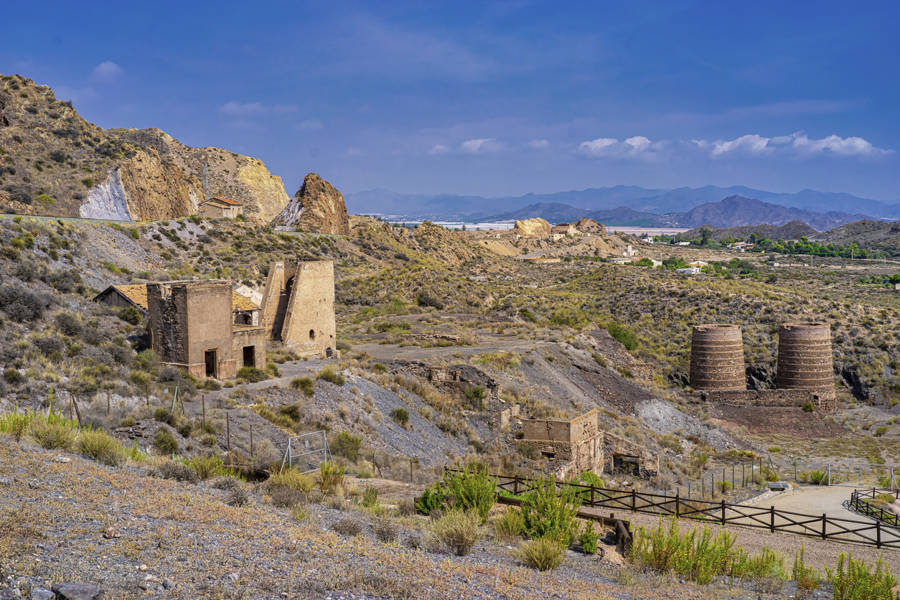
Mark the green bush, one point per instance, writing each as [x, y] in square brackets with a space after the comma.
[101, 447]
[458, 530]
[305, 385]
[543, 554]
[550, 513]
[880, 431]
[328, 374]
[251, 374]
[859, 582]
[52, 435]
[511, 524]
[472, 489]
[400, 416]
[130, 314]
[331, 477]
[588, 540]
[807, 578]
[764, 566]
[164, 441]
[700, 555]
[293, 479]
[346, 445]
[208, 466]
[623, 335]
[15, 424]
[432, 499]
[370, 497]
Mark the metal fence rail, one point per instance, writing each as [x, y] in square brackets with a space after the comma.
[871, 533]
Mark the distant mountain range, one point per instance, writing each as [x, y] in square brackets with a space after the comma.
[633, 205]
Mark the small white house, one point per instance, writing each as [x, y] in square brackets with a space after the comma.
[689, 271]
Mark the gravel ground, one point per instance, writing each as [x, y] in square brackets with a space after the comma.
[68, 519]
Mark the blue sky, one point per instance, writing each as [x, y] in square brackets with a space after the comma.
[493, 98]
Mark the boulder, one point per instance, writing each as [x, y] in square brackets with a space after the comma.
[316, 207]
[532, 228]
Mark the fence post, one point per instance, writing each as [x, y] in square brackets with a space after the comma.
[677, 502]
[723, 511]
[107, 402]
[743, 477]
[877, 533]
[203, 403]
[592, 494]
[772, 519]
[251, 441]
[633, 500]
[829, 474]
[228, 430]
[824, 521]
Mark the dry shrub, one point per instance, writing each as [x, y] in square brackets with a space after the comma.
[458, 530]
[542, 554]
[101, 447]
[291, 478]
[385, 530]
[172, 469]
[348, 526]
[52, 435]
[285, 497]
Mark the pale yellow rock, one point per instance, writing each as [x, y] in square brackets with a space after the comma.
[532, 228]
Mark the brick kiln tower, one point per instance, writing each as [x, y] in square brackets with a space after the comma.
[717, 358]
[804, 357]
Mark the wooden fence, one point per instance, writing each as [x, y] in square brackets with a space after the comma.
[722, 513]
[858, 503]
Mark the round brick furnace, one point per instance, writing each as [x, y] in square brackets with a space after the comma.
[717, 358]
[804, 356]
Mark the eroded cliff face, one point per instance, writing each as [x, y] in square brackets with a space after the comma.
[316, 207]
[231, 175]
[532, 228]
[53, 162]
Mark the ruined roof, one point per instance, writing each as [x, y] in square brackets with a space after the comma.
[137, 295]
[242, 302]
[225, 201]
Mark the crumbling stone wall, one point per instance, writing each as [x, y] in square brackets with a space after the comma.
[298, 306]
[824, 400]
[189, 319]
[255, 337]
[572, 446]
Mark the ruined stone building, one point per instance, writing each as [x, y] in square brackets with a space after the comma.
[298, 306]
[192, 326]
[220, 208]
[571, 446]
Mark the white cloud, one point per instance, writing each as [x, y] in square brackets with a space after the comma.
[636, 146]
[750, 144]
[798, 144]
[106, 72]
[479, 146]
[539, 144]
[439, 149]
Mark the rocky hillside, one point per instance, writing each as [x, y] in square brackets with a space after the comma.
[317, 207]
[53, 162]
[736, 211]
[789, 231]
[870, 235]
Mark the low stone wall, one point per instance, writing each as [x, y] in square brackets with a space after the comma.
[824, 400]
